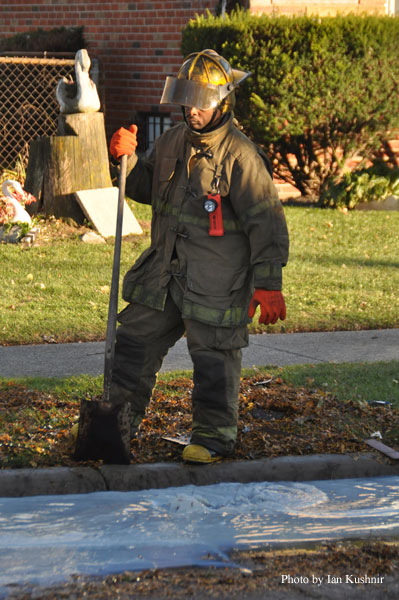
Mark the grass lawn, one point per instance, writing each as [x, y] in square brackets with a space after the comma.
[343, 270]
[342, 274]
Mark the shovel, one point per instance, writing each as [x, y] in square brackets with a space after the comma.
[104, 426]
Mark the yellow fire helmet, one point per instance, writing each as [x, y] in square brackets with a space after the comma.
[205, 80]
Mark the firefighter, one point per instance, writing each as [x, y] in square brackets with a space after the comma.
[219, 242]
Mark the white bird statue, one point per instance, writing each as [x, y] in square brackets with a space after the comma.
[82, 96]
[20, 214]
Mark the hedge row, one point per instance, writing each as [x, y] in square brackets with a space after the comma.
[322, 89]
[61, 39]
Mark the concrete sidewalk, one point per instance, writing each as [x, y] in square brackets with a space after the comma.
[60, 360]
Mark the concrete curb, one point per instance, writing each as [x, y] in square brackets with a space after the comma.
[54, 480]
[82, 480]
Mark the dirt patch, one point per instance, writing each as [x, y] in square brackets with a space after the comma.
[49, 230]
[342, 568]
[275, 419]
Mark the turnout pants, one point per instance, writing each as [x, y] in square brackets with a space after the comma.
[143, 339]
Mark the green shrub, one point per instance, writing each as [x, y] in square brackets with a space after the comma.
[61, 39]
[322, 89]
[373, 184]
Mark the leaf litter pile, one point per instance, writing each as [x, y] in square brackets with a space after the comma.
[275, 419]
[340, 566]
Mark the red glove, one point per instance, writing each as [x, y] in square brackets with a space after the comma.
[123, 142]
[272, 306]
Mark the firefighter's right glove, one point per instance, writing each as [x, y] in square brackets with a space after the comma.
[272, 306]
[123, 142]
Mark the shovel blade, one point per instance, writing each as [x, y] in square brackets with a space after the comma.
[104, 432]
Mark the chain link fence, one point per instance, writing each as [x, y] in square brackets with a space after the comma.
[28, 104]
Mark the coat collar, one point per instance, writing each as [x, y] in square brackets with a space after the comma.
[211, 138]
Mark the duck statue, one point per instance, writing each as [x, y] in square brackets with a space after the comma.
[80, 96]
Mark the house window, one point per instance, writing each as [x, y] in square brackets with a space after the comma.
[155, 125]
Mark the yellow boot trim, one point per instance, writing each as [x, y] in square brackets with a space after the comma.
[199, 454]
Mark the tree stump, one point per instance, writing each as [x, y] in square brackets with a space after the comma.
[74, 159]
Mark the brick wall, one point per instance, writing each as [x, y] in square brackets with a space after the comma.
[137, 43]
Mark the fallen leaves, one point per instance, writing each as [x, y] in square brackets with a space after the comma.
[275, 419]
[258, 574]
[32, 424]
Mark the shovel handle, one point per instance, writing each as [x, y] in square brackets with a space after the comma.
[114, 294]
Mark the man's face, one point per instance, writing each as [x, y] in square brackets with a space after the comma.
[198, 119]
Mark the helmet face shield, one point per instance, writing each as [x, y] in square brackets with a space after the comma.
[192, 93]
[204, 80]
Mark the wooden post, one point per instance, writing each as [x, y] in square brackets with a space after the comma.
[90, 129]
[75, 159]
[35, 176]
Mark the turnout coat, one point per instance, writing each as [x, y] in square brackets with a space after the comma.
[216, 274]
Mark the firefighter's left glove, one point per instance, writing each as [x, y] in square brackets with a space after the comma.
[124, 141]
[272, 306]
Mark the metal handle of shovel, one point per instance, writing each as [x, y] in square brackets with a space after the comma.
[114, 293]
